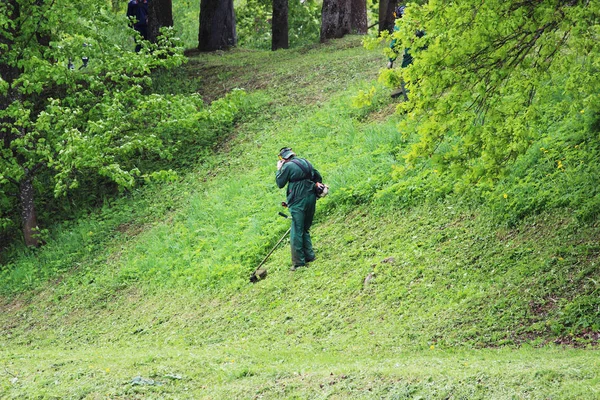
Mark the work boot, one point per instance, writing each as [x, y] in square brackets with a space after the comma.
[295, 267]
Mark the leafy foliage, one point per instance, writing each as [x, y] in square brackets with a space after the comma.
[63, 125]
[496, 75]
[494, 81]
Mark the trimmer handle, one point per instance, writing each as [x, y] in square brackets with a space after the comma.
[283, 215]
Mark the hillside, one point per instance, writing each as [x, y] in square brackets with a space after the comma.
[149, 297]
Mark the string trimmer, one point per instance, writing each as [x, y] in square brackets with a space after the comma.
[261, 273]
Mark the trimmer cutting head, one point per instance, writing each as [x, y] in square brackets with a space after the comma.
[258, 275]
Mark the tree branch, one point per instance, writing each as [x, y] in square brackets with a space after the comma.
[12, 180]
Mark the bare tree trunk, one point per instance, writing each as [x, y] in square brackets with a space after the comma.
[335, 19]
[358, 18]
[279, 27]
[28, 215]
[160, 13]
[217, 25]
[386, 15]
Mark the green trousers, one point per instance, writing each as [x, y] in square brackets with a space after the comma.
[303, 212]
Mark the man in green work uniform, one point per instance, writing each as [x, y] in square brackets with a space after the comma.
[301, 178]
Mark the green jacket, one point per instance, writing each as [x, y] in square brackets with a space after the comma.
[300, 184]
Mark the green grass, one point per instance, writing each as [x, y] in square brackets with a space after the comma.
[244, 372]
[157, 285]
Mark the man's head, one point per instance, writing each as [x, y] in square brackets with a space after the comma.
[285, 153]
[399, 11]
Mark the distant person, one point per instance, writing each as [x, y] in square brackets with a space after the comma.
[407, 58]
[137, 11]
[398, 13]
[302, 179]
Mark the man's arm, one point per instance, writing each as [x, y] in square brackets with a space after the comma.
[282, 177]
[317, 176]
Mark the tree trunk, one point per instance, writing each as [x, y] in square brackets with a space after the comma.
[217, 25]
[28, 216]
[335, 19]
[279, 27]
[358, 17]
[160, 13]
[386, 15]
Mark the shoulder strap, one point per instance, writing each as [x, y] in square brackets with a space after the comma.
[307, 170]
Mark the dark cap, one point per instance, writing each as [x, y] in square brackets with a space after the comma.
[286, 152]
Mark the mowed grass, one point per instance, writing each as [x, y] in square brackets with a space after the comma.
[455, 307]
[248, 372]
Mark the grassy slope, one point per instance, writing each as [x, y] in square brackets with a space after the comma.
[167, 298]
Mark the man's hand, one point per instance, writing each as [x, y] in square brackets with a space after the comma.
[280, 164]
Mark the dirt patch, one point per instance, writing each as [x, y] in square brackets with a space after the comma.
[11, 305]
[543, 308]
[383, 114]
[131, 229]
[584, 339]
[192, 52]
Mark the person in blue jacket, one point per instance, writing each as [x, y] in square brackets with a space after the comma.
[137, 12]
[301, 179]
[407, 58]
[398, 13]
